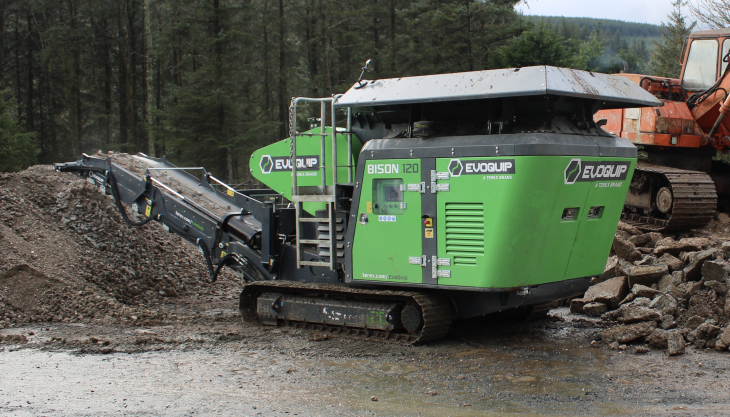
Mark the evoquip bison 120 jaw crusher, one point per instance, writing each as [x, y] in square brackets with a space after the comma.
[452, 195]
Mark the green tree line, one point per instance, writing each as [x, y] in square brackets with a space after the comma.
[206, 82]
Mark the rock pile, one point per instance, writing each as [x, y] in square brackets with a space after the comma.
[66, 256]
[662, 292]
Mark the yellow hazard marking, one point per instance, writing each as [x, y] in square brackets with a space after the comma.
[148, 211]
[230, 193]
[223, 253]
[429, 233]
[369, 207]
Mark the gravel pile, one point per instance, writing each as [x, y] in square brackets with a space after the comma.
[66, 256]
[662, 292]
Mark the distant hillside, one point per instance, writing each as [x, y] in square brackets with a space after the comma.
[626, 29]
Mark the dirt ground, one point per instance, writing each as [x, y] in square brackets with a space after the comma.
[211, 364]
[98, 318]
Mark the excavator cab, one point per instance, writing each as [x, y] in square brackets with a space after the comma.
[703, 62]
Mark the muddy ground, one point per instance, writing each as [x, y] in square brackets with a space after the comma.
[98, 318]
[212, 364]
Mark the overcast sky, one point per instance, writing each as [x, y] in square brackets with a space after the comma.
[643, 11]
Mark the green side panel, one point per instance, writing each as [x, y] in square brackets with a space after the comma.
[506, 230]
[392, 232]
[271, 164]
[595, 235]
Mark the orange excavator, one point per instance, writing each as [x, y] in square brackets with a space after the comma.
[679, 179]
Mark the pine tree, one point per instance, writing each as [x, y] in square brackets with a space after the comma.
[665, 60]
[18, 150]
[541, 46]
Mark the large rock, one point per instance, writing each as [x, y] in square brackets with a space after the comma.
[655, 237]
[628, 228]
[644, 291]
[674, 279]
[704, 304]
[645, 275]
[595, 309]
[576, 305]
[693, 271]
[723, 342]
[658, 338]
[625, 333]
[715, 271]
[613, 268]
[640, 240]
[625, 249]
[635, 314]
[665, 304]
[674, 263]
[685, 245]
[609, 292]
[667, 322]
[676, 292]
[718, 287]
[726, 312]
[694, 322]
[675, 344]
[703, 333]
[726, 249]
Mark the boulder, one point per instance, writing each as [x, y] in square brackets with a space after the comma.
[674, 263]
[641, 302]
[676, 292]
[726, 311]
[635, 314]
[576, 305]
[704, 304]
[692, 288]
[693, 271]
[628, 228]
[723, 342]
[667, 280]
[647, 260]
[715, 271]
[669, 245]
[658, 338]
[623, 234]
[609, 292]
[595, 309]
[629, 298]
[655, 237]
[645, 251]
[703, 333]
[667, 322]
[613, 268]
[644, 291]
[645, 275]
[665, 304]
[625, 249]
[694, 322]
[640, 240]
[625, 333]
[718, 287]
[725, 248]
[675, 344]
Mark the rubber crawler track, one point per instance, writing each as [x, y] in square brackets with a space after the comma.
[694, 195]
[437, 310]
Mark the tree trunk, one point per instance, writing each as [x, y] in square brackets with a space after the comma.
[149, 80]
[327, 82]
[283, 105]
[30, 123]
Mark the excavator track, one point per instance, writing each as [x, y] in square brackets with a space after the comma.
[689, 203]
[259, 300]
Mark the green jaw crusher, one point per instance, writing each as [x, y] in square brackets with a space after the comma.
[454, 195]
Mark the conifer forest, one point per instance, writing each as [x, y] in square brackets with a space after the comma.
[206, 82]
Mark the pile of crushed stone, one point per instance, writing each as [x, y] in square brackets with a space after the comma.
[66, 256]
[663, 291]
